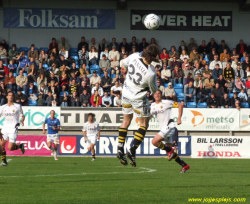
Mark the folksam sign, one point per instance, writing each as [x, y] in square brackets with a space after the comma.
[35, 116]
[59, 18]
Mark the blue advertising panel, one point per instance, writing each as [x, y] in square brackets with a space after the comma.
[107, 145]
[59, 18]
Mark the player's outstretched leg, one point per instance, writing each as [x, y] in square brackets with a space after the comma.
[55, 151]
[138, 139]
[157, 142]
[92, 147]
[121, 141]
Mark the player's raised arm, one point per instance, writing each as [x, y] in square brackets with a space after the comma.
[180, 111]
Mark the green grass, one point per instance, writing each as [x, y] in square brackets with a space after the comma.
[215, 178]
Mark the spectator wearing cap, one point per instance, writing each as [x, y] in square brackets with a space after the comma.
[4, 71]
[169, 92]
[102, 46]
[85, 98]
[182, 47]
[13, 52]
[113, 44]
[222, 46]
[214, 62]
[32, 53]
[105, 52]
[189, 93]
[74, 100]
[194, 55]
[21, 98]
[234, 55]
[225, 102]
[74, 77]
[203, 49]
[95, 79]
[83, 43]
[106, 82]
[118, 100]
[206, 72]
[209, 83]
[142, 45]
[114, 57]
[177, 75]
[125, 45]
[224, 55]
[22, 81]
[241, 48]
[106, 100]
[104, 65]
[134, 43]
[212, 101]
[63, 43]
[10, 82]
[212, 44]
[93, 44]
[53, 44]
[96, 100]
[192, 45]
[3, 54]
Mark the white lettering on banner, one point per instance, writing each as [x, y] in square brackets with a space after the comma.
[37, 146]
[196, 21]
[72, 21]
[183, 142]
[171, 20]
[181, 21]
[84, 144]
[220, 147]
[114, 143]
[206, 20]
[104, 146]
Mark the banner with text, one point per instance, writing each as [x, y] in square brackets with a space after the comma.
[35, 145]
[185, 20]
[192, 119]
[59, 18]
[34, 116]
[245, 119]
[107, 145]
[220, 147]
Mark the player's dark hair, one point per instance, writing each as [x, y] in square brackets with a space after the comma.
[151, 53]
[91, 114]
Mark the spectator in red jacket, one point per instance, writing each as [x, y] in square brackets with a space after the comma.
[96, 100]
[4, 71]
[248, 82]
[53, 44]
[241, 48]
[164, 55]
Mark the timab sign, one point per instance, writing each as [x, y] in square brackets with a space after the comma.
[59, 18]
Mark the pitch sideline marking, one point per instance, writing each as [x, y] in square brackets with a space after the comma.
[145, 170]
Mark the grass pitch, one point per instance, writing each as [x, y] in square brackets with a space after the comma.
[73, 180]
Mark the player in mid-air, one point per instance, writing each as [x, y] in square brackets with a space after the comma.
[140, 78]
[12, 113]
[162, 109]
[52, 135]
[91, 132]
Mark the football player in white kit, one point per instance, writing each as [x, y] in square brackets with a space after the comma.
[140, 78]
[12, 113]
[91, 132]
[162, 109]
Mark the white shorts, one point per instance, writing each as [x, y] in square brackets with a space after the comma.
[54, 138]
[10, 135]
[141, 108]
[170, 134]
[91, 140]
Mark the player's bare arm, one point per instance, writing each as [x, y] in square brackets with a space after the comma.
[44, 131]
[84, 134]
[98, 136]
[180, 110]
[22, 120]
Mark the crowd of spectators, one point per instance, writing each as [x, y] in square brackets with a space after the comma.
[55, 76]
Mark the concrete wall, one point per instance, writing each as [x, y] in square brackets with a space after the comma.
[42, 37]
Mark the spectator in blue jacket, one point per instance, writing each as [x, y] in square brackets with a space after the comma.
[189, 92]
[216, 72]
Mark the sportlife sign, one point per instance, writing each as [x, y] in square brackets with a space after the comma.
[59, 18]
[185, 20]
